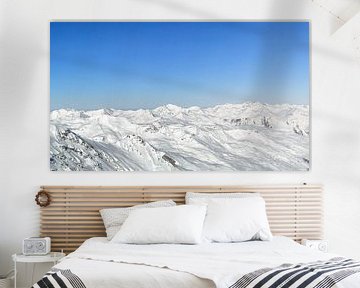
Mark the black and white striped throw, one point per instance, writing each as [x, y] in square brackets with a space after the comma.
[58, 278]
[320, 274]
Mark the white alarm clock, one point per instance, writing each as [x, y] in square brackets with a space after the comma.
[320, 245]
[36, 246]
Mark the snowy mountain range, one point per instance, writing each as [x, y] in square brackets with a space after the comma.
[233, 137]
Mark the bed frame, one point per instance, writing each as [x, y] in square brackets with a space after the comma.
[73, 214]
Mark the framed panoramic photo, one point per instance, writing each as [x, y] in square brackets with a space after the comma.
[179, 96]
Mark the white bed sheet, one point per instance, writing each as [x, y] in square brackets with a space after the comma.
[100, 263]
[101, 274]
[106, 274]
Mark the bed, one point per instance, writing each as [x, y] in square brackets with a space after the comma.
[99, 263]
[294, 211]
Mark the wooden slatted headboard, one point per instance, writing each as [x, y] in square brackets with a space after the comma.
[73, 215]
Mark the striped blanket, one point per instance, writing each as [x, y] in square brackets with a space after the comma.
[319, 274]
[58, 278]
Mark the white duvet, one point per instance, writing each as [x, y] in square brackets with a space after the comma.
[100, 263]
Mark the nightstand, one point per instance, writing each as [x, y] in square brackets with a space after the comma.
[320, 245]
[52, 257]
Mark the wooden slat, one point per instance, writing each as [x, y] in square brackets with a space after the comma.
[73, 216]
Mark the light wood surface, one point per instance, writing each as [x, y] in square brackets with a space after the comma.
[73, 214]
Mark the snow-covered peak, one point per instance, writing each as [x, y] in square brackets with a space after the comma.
[169, 109]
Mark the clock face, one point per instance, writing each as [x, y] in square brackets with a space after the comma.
[40, 245]
[323, 247]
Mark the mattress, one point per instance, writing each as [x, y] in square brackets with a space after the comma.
[99, 263]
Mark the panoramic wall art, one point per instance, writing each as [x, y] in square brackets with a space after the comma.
[179, 96]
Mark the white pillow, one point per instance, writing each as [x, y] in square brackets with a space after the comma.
[181, 224]
[204, 198]
[113, 218]
[236, 220]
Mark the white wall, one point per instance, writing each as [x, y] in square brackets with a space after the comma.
[24, 111]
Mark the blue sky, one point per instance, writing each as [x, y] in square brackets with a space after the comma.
[132, 65]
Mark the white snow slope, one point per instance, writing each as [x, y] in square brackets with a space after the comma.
[231, 137]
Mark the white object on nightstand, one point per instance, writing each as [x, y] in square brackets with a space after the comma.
[36, 246]
[53, 257]
[320, 245]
